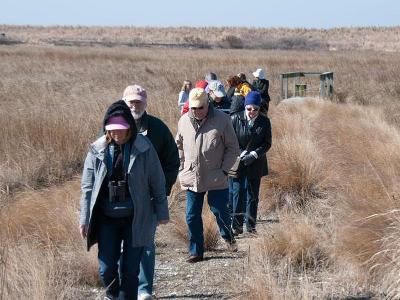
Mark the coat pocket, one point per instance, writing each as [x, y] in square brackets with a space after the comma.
[187, 175]
[216, 179]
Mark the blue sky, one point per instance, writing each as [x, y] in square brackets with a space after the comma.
[254, 13]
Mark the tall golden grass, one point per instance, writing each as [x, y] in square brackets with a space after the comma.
[352, 224]
[334, 166]
[52, 99]
[42, 254]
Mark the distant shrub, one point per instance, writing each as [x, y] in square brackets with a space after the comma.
[5, 40]
[293, 43]
[231, 42]
[196, 42]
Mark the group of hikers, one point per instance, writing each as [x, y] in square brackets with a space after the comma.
[219, 149]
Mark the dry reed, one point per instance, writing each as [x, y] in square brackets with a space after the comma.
[338, 162]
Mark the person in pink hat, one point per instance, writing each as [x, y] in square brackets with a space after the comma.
[135, 96]
[116, 206]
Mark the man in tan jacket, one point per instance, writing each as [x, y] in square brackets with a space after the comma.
[208, 148]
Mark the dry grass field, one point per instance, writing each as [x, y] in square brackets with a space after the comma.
[334, 165]
[356, 38]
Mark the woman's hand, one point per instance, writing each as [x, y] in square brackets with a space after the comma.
[83, 230]
[162, 222]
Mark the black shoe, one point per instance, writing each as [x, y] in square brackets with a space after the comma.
[229, 245]
[252, 231]
[194, 259]
[237, 231]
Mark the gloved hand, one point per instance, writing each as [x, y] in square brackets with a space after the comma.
[248, 159]
[243, 153]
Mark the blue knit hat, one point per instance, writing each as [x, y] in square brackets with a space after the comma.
[253, 98]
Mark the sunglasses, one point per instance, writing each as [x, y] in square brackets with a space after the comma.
[252, 109]
[197, 108]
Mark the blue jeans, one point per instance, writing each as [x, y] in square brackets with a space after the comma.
[230, 203]
[111, 234]
[218, 202]
[245, 202]
[147, 264]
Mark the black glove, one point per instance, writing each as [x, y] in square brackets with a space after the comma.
[248, 159]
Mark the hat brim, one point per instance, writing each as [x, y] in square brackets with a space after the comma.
[196, 103]
[134, 97]
[116, 127]
[219, 94]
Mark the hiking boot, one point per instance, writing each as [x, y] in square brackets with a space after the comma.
[145, 296]
[194, 259]
[231, 246]
[252, 232]
[237, 231]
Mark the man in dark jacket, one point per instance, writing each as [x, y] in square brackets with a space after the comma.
[160, 136]
[253, 131]
[261, 85]
[217, 95]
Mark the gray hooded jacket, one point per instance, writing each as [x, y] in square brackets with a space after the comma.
[146, 185]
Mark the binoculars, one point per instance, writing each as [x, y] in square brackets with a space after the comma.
[117, 190]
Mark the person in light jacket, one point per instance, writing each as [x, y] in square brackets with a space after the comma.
[123, 185]
[253, 131]
[208, 149]
[184, 93]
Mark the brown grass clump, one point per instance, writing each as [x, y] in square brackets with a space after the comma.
[298, 170]
[296, 243]
[386, 263]
[354, 222]
[42, 255]
[291, 247]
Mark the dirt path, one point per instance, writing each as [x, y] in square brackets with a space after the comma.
[216, 277]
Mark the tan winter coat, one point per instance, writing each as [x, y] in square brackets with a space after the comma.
[208, 153]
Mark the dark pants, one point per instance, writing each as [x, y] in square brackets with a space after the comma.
[111, 234]
[245, 202]
[230, 203]
[218, 202]
[147, 264]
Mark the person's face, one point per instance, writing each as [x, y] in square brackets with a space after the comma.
[200, 112]
[137, 108]
[215, 98]
[119, 135]
[252, 111]
[188, 86]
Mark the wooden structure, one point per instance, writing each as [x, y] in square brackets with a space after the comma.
[300, 89]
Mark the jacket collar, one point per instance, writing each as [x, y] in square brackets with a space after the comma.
[210, 115]
[98, 147]
[143, 124]
[242, 116]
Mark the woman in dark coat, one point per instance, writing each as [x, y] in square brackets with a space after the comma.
[253, 131]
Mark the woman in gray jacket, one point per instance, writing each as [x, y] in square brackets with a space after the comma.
[123, 185]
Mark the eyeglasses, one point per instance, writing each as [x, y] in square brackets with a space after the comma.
[252, 109]
[197, 108]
